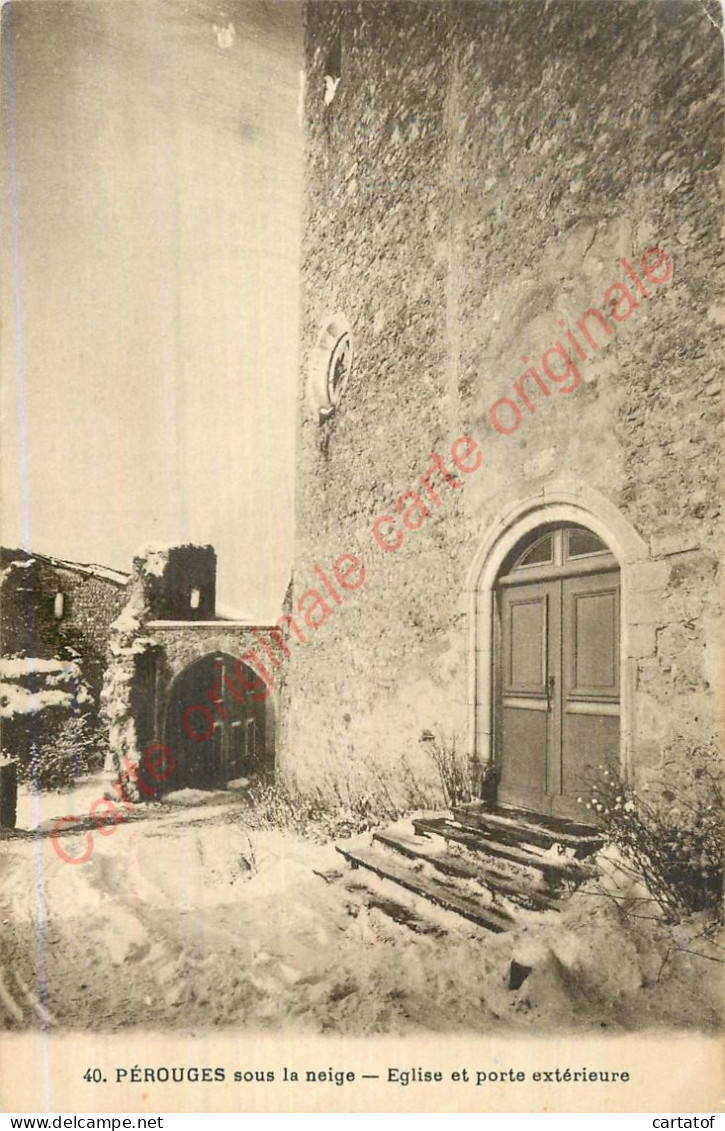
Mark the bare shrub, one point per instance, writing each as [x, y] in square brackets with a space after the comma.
[414, 794]
[57, 759]
[453, 766]
[673, 841]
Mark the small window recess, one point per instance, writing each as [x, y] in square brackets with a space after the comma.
[195, 598]
[59, 606]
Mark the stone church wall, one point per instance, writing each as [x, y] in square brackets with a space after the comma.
[476, 176]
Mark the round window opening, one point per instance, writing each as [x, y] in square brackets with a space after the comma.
[330, 366]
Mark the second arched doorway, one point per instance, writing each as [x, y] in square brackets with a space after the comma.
[216, 723]
[556, 705]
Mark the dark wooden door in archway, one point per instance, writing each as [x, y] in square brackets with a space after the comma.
[215, 726]
[557, 677]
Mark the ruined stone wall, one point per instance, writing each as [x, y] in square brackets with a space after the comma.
[65, 654]
[28, 626]
[90, 606]
[476, 175]
[44, 687]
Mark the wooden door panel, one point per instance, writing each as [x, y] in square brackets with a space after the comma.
[526, 639]
[591, 637]
[588, 742]
[528, 650]
[245, 725]
[250, 742]
[590, 702]
[523, 761]
[215, 762]
[557, 690]
[236, 749]
[595, 668]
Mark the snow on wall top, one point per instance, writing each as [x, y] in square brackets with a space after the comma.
[89, 569]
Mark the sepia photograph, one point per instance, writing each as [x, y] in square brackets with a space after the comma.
[361, 689]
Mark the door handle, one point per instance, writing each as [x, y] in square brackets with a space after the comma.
[550, 684]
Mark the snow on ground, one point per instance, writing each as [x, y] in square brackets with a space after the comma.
[21, 667]
[185, 919]
[41, 809]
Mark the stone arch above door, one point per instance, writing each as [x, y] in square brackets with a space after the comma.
[562, 504]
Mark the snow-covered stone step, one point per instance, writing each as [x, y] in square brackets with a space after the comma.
[442, 894]
[516, 827]
[365, 895]
[556, 868]
[513, 886]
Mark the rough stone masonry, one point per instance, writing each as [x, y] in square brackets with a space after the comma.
[475, 172]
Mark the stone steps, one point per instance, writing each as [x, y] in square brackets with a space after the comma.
[487, 865]
[396, 909]
[455, 864]
[514, 826]
[556, 868]
[441, 894]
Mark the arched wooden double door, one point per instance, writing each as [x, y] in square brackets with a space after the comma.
[215, 726]
[557, 672]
